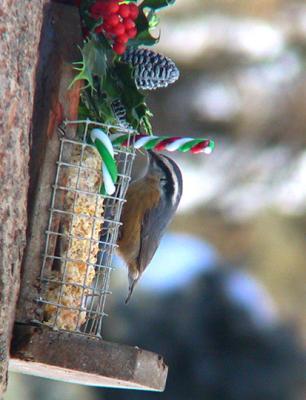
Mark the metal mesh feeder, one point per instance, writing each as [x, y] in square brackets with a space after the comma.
[82, 234]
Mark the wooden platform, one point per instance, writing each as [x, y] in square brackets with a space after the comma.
[89, 361]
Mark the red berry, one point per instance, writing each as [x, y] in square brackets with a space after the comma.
[106, 27]
[122, 38]
[97, 9]
[85, 31]
[118, 29]
[112, 20]
[112, 7]
[128, 23]
[108, 35]
[99, 28]
[134, 11]
[131, 33]
[119, 48]
[124, 10]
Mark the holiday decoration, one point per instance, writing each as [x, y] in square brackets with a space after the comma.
[116, 21]
[120, 114]
[113, 66]
[159, 143]
[151, 70]
[109, 168]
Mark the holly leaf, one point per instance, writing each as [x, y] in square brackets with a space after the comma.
[144, 39]
[144, 25]
[97, 52]
[156, 4]
[96, 56]
[153, 19]
[84, 6]
[83, 75]
[144, 115]
[148, 20]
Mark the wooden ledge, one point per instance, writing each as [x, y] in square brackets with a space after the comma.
[85, 360]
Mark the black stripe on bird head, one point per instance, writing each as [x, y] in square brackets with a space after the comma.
[170, 175]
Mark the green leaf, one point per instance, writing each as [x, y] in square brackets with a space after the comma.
[137, 111]
[156, 4]
[110, 85]
[144, 36]
[144, 39]
[142, 22]
[153, 19]
[145, 116]
[84, 73]
[87, 20]
[95, 105]
[97, 56]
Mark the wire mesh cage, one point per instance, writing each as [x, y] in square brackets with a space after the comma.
[82, 233]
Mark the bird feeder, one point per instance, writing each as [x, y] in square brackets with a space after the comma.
[81, 235]
[72, 235]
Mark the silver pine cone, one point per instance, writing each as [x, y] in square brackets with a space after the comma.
[151, 70]
[119, 112]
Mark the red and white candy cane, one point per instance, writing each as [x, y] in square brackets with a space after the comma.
[159, 143]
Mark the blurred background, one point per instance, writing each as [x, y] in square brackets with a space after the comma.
[224, 298]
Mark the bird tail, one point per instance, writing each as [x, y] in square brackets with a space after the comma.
[132, 283]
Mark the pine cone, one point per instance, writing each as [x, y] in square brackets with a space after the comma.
[119, 112]
[151, 70]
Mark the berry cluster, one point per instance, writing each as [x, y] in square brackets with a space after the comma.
[118, 21]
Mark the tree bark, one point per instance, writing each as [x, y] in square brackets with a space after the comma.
[20, 26]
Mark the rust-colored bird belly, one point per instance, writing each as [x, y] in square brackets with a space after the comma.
[140, 197]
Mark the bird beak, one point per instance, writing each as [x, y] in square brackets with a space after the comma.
[151, 155]
[153, 161]
[132, 283]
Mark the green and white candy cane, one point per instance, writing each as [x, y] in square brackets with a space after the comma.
[109, 166]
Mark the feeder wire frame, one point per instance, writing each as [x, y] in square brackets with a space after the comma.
[93, 296]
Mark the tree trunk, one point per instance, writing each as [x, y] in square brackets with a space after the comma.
[20, 25]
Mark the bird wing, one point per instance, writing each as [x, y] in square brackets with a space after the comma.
[154, 223]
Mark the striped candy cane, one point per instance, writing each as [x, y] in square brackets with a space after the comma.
[109, 167]
[159, 143]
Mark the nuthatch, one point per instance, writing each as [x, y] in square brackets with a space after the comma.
[151, 203]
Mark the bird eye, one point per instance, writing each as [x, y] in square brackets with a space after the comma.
[163, 182]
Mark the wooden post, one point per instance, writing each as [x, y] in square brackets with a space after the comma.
[60, 38]
[20, 26]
